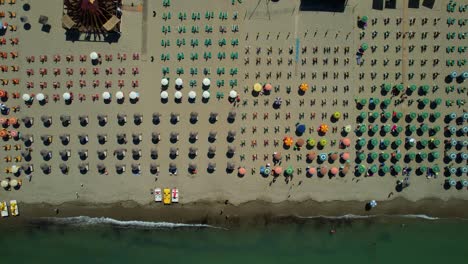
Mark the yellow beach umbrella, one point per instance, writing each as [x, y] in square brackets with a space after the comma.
[337, 115]
[257, 87]
[323, 142]
[311, 142]
[304, 87]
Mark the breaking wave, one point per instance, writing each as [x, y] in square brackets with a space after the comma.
[352, 216]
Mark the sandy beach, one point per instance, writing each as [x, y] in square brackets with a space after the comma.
[266, 42]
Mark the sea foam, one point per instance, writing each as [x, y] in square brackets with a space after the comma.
[352, 216]
[86, 221]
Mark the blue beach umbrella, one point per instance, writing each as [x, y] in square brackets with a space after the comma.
[453, 156]
[452, 182]
[464, 156]
[453, 170]
[300, 128]
[323, 157]
[454, 74]
[465, 183]
[464, 75]
[464, 169]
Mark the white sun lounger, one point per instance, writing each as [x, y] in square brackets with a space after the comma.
[4, 209]
[14, 208]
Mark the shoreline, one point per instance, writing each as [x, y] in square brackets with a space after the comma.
[254, 213]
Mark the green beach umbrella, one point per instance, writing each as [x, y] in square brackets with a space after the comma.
[375, 115]
[387, 102]
[399, 87]
[437, 101]
[425, 101]
[364, 19]
[424, 115]
[386, 128]
[362, 142]
[387, 115]
[411, 155]
[396, 168]
[436, 115]
[362, 156]
[422, 155]
[373, 155]
[374, 142]
[362, 128]
[399, 129]
[385, 169]
[423, 142]
[323, 142]
[364, 46]
[361, 169]
[374, 169]
[425, 88]
[363, 115]
[413, 87]
[397, 156]
[397, 142]
[435, 155]
[289, 170]
[375, 128]
[436, 142]
[422, 169]
[387, 87]
[424, 128]
[412, 115]
[436, 169]
[399, 115]
[363, 101]
[385, 156]
[376, 101]
[267, 171]
[412, 128]
[436, 129]
[386, 142]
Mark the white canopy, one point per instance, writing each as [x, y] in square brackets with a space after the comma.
[40, 96]
[164, 95]
[192, 94]
[178, 95]
[206, 82]
[26, 97]
[179, 82]
[66, 96]
[133, 95]
[164, 82]
[13, 183]
[119, 95]
[5, 184]
[233, 94]
[106, 95]
[14, 168]
[93, 55]
[206, 94]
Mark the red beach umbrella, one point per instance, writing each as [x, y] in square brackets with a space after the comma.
[2, 94]
[334, 171]
[277, 156]
[13, 133]
[311, 155]
[345, 155]
[334, 156]
[346, 142]
[278, 170]
[267, 87]
[323, 170]
[13, 121]
[242, 171]
[2, 120]
[312, 171]
[3, 133]
[300, 142]
[344, 170]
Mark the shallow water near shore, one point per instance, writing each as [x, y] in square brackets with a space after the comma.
[366, 240]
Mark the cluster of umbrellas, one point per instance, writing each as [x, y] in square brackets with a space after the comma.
[179, 82]
[258, 88]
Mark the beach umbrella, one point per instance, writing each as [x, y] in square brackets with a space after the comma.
[300, 128]
[387, 128]
[387, 115]
[363, 115]
[267, 87]
[206, 94]
[424, 128]
[311, 155]
[164, 82]
[179, 82]
[337, 115]
[425, 88]
[66, 96]
[13, 133]
[385, 156]
[323, 170]
[375, 115]
[464, 75]
[3, 93]
[413, 87]
[334, 171]
[334, 156]
[26, 97]
[346, 142]
[374, 169]
[373, 155]
[289, 170]
[464, 156]
[277, 156]
[192, 94]
[436, 168]
[5, 184]
[453, 170]
[93, 55]
[323, 142]
[464, 169]
[267, 171]
[364, 46]
[396, 168]
[364, 19]
[399, 115]
[119, 95]
[397, 156]
[385, 169]
[257, 87]
[345, 156]
[242, 171]
[452, 182]
[3, 133]
[206, 82]
[386, 102]
[13, 183]
[387, 87]
[12, 121]
[454, 74]
[14, 169]
[435, 155]
[397, 142]
[411, 155]
[164, 95]
[178, 95]
[386, 142]
[3, 120]
[422, 155]
[232, 94]
[362, 128]
[347, 128]
[464, 183]
[436, 142]
[288, 141]
[361, 169]
[106, 95]
[375, 101]
[465, 116]
[40, 96]
[311, 142]
[133, 95]
[363, 102]
[300, 142]
[374, 142]
[278, 170]
[361, 156]
[304, 87]
[312, 171]
[361, 142]
[323, 157]
[399, 87]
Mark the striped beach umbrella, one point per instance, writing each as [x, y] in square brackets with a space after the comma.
[464, 169]
[453, 74]
[452, 115]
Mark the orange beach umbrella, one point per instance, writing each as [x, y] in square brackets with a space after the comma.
[288, 141]
[304, 87]
[267, 87]
[323, 128]
[242, 171]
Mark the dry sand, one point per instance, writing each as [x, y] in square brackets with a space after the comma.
[277, 25]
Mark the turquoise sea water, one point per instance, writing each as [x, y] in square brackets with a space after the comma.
[356, 241]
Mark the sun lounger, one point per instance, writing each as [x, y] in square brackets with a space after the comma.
[4, 209]
[14, 208]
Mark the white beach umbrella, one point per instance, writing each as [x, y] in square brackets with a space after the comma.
[164, 95]
[233, 94]
[206, 82]
[179, 82]
[106, 95]
[192, 94]
[133, 95]
[178, 95]
[4, 184]
[13, 183]
[93, 55]
[40, 96]
[26, 97]
[66, 96]
[164, 82]
[119, 95]
[14, 168]
[206, 94]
